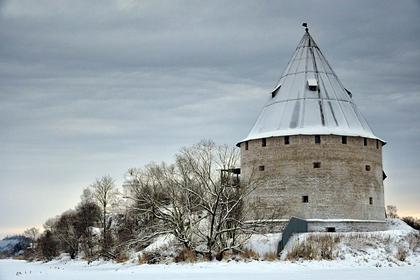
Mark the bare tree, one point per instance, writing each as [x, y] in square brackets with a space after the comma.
[88, 215]
[159, 203]
[412, 222]
[65, 230]
[49, 224]
[105, 192]
[48, 245]
[391, 211]
[87, 196]
[32, 233]
[192, 199]
[219, 198]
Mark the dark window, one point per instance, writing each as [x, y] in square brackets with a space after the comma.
[312, 88]
[349, 93]
[305, 199]
[274, 92]
[330, 229]
[344, 139]
[263, 142]
[261, 168]
[365, 141]
[286, 140]
[246, 145]
[370, 200]
[367, 167]
[317, 165]
[377, 144]
[317, 139]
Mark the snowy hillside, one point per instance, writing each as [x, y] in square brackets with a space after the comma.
[390, 254]
[8, 244]
[395, 246]
[12, 245]
[399, 245]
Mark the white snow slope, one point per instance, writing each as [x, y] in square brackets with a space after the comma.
[8, 244]
[372, 257]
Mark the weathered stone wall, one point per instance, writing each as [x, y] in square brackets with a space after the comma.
[277, 226]
[345, 226]
[266, 226]
[340, 189]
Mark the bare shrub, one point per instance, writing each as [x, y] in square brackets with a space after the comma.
[326, 246]
[401, 254]
[391, 211]
[150, 258]
[414, 242]
[121, 258]
[186, 255]
[301, 251]
[315, 247]
[141, 259]
[250, 254]
[228, 255]
[412, 222]
[89, 259]
[270, 257]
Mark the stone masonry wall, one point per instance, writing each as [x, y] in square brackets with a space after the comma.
[346, 226]
[341, 188]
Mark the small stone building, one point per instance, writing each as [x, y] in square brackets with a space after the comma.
[311, 152]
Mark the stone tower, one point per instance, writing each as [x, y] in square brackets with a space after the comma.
[312, 153]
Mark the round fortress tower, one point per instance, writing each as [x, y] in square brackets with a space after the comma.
[311, 152]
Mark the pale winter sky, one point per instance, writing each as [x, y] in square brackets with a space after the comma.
[89, 88]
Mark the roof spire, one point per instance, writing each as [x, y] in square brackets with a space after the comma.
[306, 27]
[309, 99]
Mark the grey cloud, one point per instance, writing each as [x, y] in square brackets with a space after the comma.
[94, 87]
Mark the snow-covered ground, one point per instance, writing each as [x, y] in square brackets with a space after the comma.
[78, 270]
[369, 255]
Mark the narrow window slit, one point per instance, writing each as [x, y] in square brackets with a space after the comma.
[330, 229]
[317, 165]
[275, 91]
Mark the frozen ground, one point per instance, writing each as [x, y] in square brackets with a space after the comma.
[78, 270]
[360, 256]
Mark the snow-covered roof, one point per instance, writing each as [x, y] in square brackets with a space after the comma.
[309, 99]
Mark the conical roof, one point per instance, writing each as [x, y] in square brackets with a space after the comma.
[309, 99]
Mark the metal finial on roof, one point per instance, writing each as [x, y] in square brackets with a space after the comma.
[306, 26]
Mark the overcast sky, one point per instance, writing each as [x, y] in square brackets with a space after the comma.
[89, 88]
